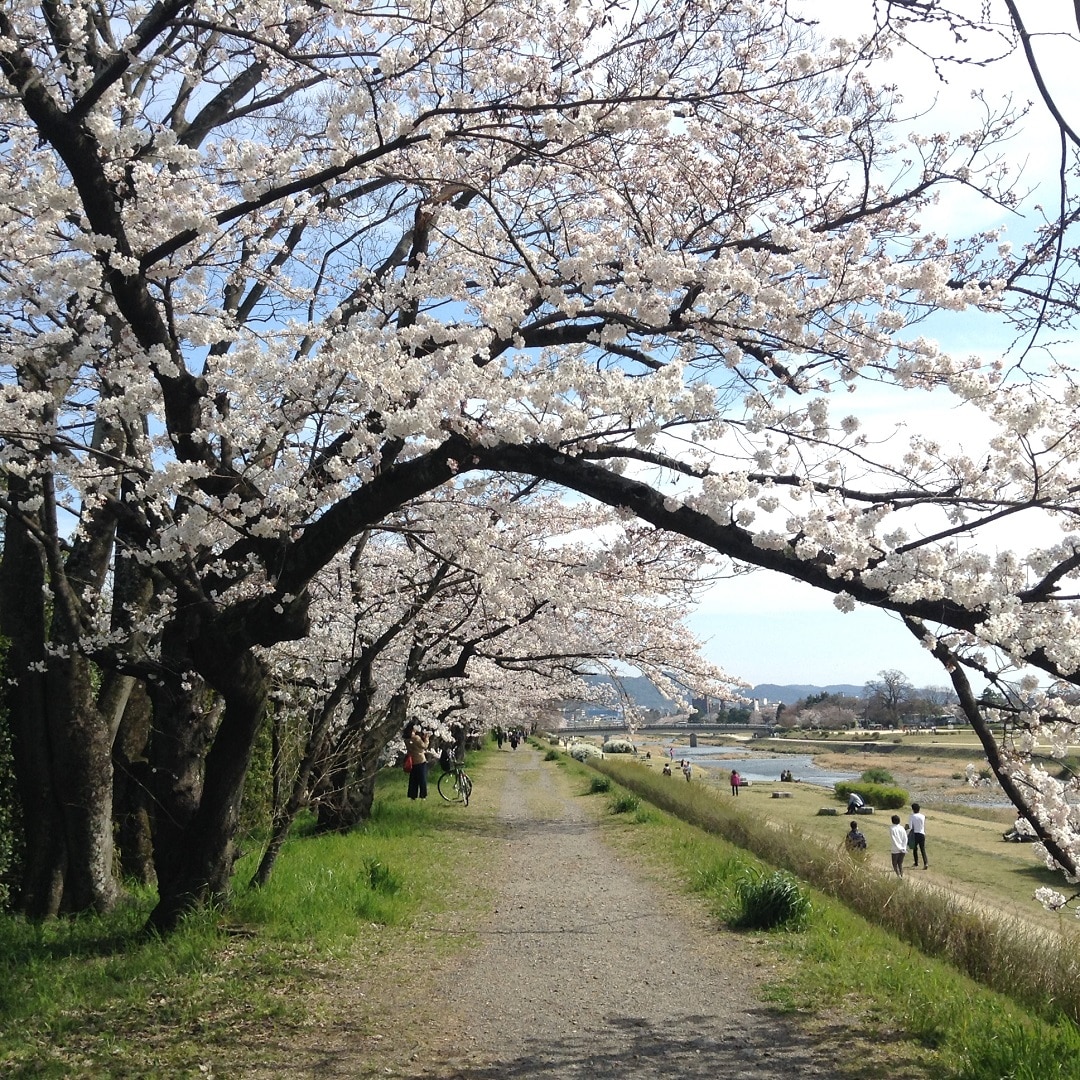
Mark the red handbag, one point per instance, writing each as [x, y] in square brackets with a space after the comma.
[407, 763]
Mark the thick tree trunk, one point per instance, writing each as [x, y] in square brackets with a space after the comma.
[22, 622]
[129, 704]
[131, 789]
[61, 742]
[81, 744]
[184, 719]
[197, 824]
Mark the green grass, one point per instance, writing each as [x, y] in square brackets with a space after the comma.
[890, 1009]
[95, 997]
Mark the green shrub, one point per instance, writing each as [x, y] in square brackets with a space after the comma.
[880, 796]
[598, 785]
[381, 878]
[625, 803]
[877, 775]
[552, 755]
[768, 901]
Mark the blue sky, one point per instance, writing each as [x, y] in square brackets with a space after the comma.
[764, 628]
[806, 640]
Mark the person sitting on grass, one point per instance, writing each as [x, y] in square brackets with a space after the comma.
[854, 802]
[855, 839]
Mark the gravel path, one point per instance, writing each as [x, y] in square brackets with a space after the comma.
[588, 967]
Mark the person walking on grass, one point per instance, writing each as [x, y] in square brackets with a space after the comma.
[735, 781]
[917, 835]
[898, 837]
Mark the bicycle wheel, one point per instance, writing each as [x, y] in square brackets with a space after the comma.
[448, 787]
[465, 787]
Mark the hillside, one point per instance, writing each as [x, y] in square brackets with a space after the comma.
[645, 695]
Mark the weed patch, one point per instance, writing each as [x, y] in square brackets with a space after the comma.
[624, 802]
[767, 901]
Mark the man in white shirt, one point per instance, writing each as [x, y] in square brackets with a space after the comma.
[917, 829]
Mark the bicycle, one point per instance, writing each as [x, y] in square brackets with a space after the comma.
[455, 785]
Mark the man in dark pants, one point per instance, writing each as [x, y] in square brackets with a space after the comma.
[917, 834]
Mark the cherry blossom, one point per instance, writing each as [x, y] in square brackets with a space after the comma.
[278, 280]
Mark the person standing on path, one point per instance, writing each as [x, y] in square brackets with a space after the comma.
[898, 836]
[416, 744]
[917, 838]
[735, 781]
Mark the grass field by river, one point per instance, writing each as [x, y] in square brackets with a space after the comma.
[965, 848]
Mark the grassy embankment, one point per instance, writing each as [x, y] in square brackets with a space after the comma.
[328, 941]
[232, 992]
[965, 847]
[878, 973]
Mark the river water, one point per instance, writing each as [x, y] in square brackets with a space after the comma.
[759, 767]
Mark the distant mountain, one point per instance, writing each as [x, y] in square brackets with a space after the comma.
[638, 689]
[792, 692]
[645, 695]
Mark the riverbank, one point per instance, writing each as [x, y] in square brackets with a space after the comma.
[933, 775]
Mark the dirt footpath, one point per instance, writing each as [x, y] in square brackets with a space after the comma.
[586, 967]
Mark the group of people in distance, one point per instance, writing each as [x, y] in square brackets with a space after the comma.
[901, 837]
[513, 736]
[684, 765]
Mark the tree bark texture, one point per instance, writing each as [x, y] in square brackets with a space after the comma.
[22, 622]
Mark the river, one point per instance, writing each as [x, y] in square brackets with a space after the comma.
[760, 767]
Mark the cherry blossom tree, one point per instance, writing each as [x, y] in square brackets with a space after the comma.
[274, 273]
[1036, 721]
[460, 613]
